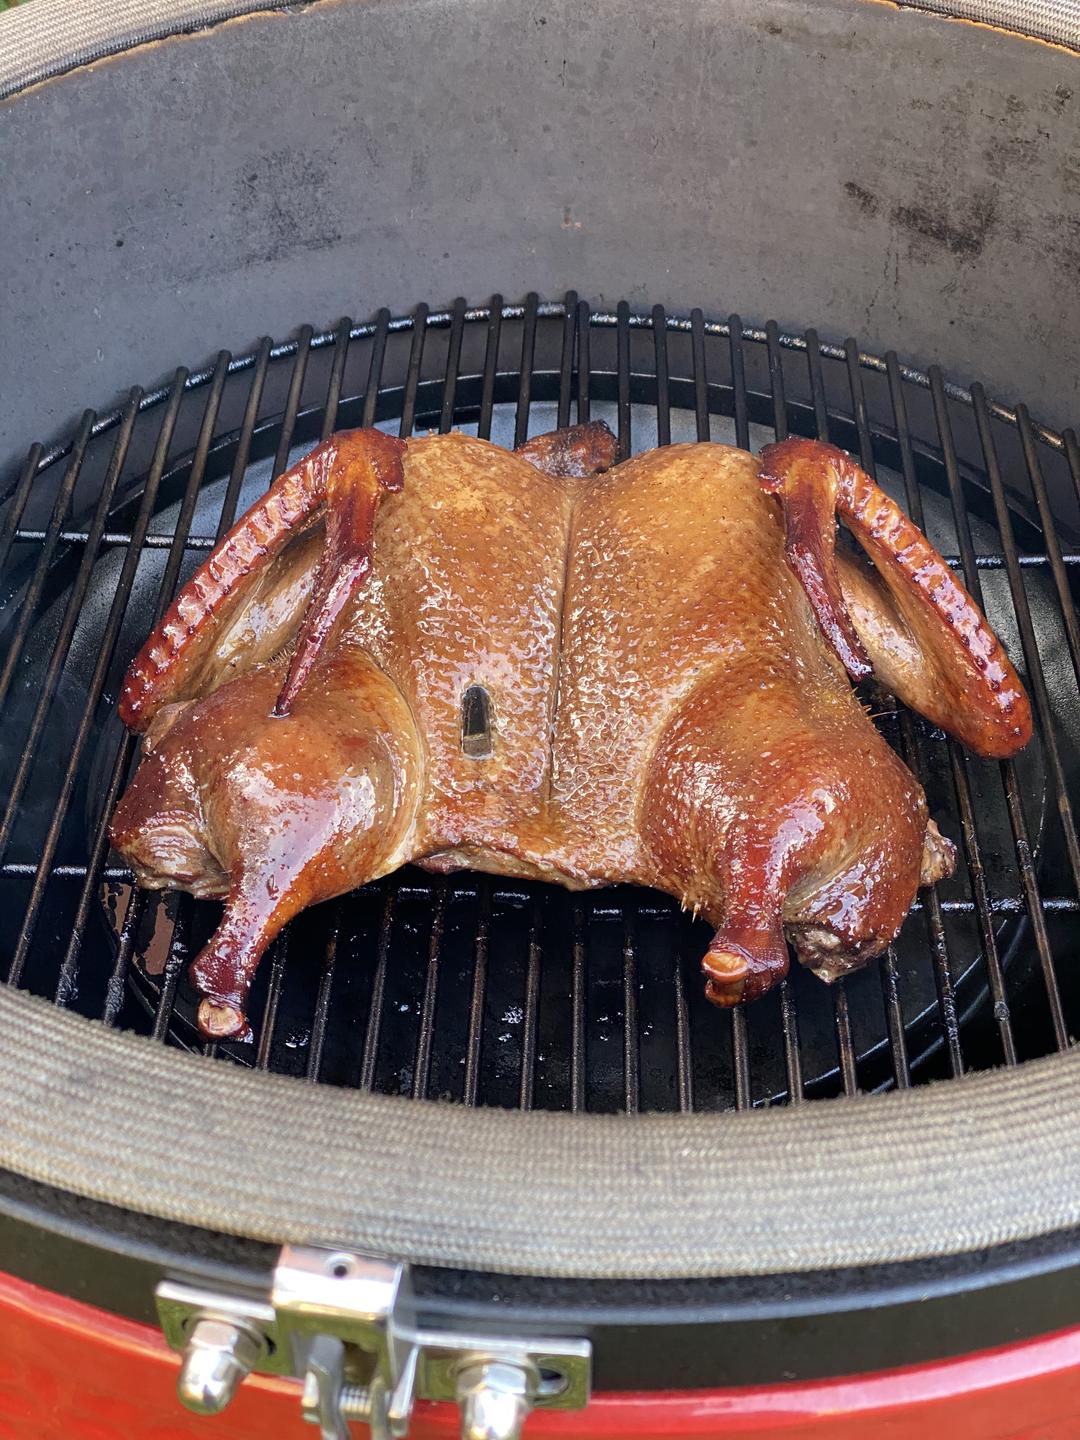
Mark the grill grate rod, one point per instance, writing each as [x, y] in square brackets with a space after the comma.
[337, 377]
[292, 403]
[1072, 454]
[491, 365]
[9, 530]
[912, 755]
[50, 540]
[72, 611]
[531, 1008]
[378, 993]
[1038, 690]
[424, 1039]
[321, 1017]
[478, 999]
[566, 362]
[247, 431]
[740, 405]
[1069, 616]
[66, 978]
[957, 760]
[528, 357]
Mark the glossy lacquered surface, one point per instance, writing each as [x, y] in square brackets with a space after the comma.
[71, 1372]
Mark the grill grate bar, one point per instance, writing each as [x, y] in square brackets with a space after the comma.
[701, 375]
[663, 392]
[1072, 453]
[894, 1019]
[684, 1059]
[740, 1055]
[789, 1015]
[72, 611]
[935, 921]
[292, 403]
[840, 1000]
[566, 362]
[116, 987]
[738, 383]
[375, 368]
[789, 1020]
[1036, 677]
[577, 1011]
[491, 367]
[321, 1017]
[17, 504]
[858, 401]
[66, 977]
[28, 610]
[412, 375]
[957, 761]
[277, 958]
[531, 1008]
[911, 751]
[528, 355]
[478, 1000]
[817, 385]
[453, 365]
[776, 381]
[167, 588]
[976, 873]
[631, 1056]
[378, 993]
[337, 377]
[170, 980]
[425, 1037]
[1053, 549]
[247, 431]
[584, 369]
[1037, 683]
[126, 749]
[622, 338]
[845, 1043]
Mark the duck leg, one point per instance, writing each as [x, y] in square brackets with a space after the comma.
[273, 813]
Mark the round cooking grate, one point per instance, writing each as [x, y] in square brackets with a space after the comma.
[502, 992]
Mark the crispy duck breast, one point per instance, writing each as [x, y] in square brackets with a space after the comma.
[542, 664]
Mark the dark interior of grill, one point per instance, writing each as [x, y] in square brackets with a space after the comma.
[493, 992]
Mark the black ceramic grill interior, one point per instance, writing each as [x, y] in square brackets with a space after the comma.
[490, 991]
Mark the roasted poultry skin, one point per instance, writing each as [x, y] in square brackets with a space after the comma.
[659, 653]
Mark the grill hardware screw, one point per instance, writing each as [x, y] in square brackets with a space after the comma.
[333, 1315]
[496, 1397]
[219, 1354]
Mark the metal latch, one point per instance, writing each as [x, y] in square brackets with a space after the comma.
[345, 1325]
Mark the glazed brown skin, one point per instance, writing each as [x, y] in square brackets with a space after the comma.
[666, 708]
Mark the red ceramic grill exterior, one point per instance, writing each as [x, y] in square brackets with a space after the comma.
[73, 1372]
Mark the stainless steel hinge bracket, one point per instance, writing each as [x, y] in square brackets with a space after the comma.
[345, 1325]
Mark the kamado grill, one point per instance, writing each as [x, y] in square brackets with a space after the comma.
[586, 1226]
